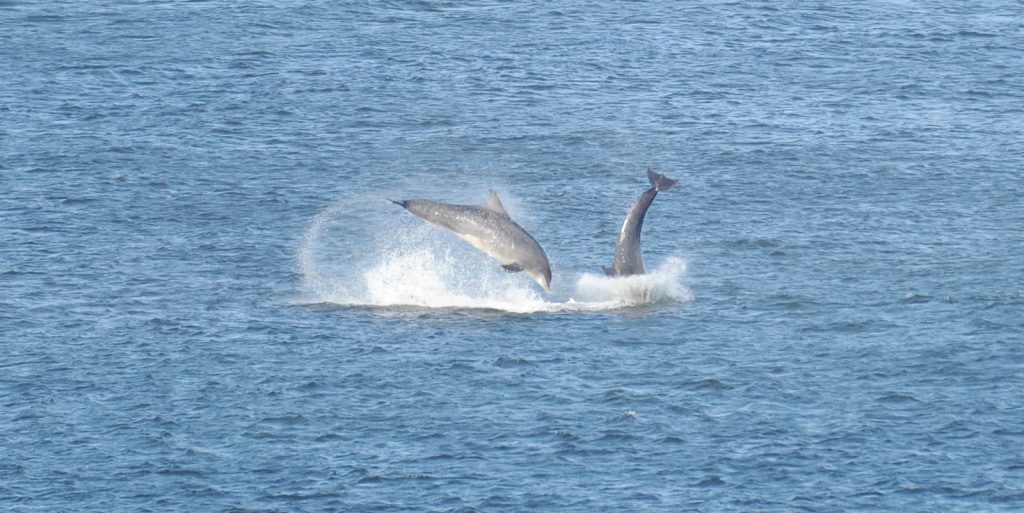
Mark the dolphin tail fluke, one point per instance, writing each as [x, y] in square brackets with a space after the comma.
[659, 181]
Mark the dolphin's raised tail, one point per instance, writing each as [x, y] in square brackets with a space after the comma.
[659, 181]
[628, 258]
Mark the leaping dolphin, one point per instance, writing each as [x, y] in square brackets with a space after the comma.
[628, 259]
[488, 228]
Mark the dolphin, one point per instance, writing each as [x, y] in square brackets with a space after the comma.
[488, 228]
[628, 259]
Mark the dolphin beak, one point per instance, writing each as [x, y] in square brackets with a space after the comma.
[542, 278]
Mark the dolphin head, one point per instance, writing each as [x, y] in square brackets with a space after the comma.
[535, 265]
[532, 259]
[541, 274]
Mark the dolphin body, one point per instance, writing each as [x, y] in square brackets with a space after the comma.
[488, 228]
[628, 259]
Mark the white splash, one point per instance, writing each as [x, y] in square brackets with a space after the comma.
[413, 264]
[662, 284]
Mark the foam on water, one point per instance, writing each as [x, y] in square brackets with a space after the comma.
[664, 283]
[416, 264]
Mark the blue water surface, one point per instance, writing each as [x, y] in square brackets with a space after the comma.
[207, 303]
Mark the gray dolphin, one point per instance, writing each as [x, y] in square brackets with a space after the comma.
[488, 228]
[628, 258]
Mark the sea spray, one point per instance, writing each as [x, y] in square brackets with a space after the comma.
[358, 260]
[664, 283]
[404, 263]
[441, 274]
[317, 282]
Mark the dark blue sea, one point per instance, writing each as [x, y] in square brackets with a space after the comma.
[208, 304]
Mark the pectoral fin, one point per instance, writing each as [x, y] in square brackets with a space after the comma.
[514, 267]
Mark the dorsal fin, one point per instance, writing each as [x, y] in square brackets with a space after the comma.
[494, 204]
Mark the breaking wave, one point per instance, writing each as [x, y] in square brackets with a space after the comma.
[344, 260]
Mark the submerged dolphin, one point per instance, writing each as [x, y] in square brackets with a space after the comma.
[488, 228]
[628, 259]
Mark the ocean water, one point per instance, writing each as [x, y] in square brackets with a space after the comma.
[208, 304]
